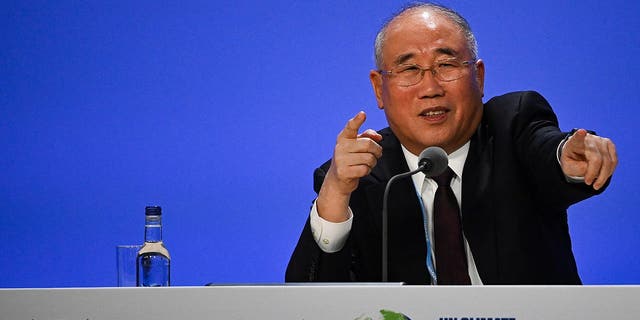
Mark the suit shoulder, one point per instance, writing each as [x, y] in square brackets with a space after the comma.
[523, 103]
[515, 98]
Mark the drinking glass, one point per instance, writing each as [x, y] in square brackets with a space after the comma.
[126, 264]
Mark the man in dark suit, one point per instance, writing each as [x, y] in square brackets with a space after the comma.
[514, 172]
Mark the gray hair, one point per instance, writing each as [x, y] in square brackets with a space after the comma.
[447, 12]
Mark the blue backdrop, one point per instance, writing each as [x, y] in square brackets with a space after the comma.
[220, 110]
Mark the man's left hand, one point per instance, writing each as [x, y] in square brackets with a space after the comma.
[589, 156]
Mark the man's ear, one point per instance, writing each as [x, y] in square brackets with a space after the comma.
[376, 83]
[480, 75]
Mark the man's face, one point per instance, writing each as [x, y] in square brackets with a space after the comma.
[431, 112]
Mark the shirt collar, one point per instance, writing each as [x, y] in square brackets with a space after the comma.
[456, 160]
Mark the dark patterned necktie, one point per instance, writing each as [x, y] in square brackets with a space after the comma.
[451, 261]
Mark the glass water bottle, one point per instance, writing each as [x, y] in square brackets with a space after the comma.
[153, 261]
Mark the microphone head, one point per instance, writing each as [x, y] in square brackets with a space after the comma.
[433, 161]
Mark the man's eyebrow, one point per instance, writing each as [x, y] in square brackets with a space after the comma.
[447, 51]
[401, 59]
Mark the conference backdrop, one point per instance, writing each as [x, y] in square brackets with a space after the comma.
[219, 111]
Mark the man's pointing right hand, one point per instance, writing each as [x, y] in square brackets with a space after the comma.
[354, 157]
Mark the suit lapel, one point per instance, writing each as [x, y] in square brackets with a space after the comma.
[476, 209]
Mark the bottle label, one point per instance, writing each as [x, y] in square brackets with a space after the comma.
[158, 247]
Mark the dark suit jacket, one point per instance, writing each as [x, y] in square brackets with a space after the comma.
[514, 207]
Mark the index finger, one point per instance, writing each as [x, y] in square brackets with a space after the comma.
[350, 130]
[576, 144]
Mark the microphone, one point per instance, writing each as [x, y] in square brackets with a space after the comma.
[432, 161]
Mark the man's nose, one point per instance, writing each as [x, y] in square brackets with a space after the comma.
[429, 85]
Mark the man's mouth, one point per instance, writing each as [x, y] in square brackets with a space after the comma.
[434, 114]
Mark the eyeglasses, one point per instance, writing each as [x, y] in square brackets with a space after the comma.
[444, 70]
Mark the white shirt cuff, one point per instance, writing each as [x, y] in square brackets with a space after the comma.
[329, 236]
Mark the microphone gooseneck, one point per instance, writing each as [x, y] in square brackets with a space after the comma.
[432, 161]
